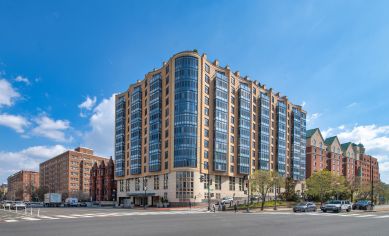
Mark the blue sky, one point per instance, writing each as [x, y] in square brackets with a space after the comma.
[60, 64]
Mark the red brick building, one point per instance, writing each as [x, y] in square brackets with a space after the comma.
[22, 185]
[316, 152]
[102, 183]
[334, 155]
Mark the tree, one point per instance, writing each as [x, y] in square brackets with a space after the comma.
[290, 189]
[41, 191]
[324, 184]
[354, 185]
[261, 181]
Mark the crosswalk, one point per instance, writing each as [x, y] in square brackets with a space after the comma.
[320, 214]
[21, 218]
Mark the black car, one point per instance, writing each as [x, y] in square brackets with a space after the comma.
[363, 205]
[305, 207]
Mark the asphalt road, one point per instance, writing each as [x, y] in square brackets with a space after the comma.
[204, 224]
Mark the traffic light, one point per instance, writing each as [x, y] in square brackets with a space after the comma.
[202, 178]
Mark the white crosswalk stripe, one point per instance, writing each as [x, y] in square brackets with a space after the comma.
[30, 218]
[48, 218]
[382, 217]
[364, 216]
[65, 216]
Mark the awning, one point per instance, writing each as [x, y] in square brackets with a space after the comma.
[140, 194]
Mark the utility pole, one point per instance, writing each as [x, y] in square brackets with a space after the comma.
[145, 189]
[248, 193]
[275, 196]
[372, 183]
[209, 195]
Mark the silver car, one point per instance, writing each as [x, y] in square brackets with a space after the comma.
[336, 206]
[305, 207]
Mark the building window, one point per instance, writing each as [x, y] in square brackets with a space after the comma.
[206, 143]
[206, 133]
[206, 111]
[165, 181]
[206, 154]
[218, 182]
[232, 169]
[206, 100]
[206, 90]
[232, 183]
[206, 165]
[121, 183]
[206, 67]
[156, 182]
[137, 184]
[206, 121]
[207, 79]
[184, 185]
[241, 184]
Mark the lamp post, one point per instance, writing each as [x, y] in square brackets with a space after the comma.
[145, 189]
[372, 182]
[275, 196]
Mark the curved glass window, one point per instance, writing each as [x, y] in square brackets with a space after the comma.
[185, 112]
[136, 131]
[120, 111]
[244, 129]
[281, 139]
[155, 123]
[264, 144]
[221, 123]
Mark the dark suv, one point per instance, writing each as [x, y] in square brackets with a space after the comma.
[363, 205]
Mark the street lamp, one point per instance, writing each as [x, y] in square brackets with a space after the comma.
[145, 189]
[275, 196]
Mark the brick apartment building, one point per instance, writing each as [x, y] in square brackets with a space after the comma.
[347, 159]
[22, 185]
[69, 172]
[102, 183]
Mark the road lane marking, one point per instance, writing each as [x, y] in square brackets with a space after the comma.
[363, 216]
[30, 218]
[11, 221]
[49, 218]
[65, 216]
[381, 217]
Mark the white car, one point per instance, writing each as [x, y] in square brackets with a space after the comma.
[226, 200]
[18, 205]
[336, 206]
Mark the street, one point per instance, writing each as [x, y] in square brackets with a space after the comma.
[117, 222]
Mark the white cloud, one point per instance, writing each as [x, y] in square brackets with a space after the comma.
[52, 129]
[7, 93]
[311, 118]
[374, 138]
[303, 104]
[17, 123]
[88, 104]
[20, 78]
[351, 105]
[101, 136]
[327, 133]
[27, 159]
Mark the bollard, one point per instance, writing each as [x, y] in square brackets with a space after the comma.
[25, 210]
[38, 211]
[31, 211]
[9, 208]
[16, 209]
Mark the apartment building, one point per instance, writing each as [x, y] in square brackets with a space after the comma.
[193, 117]
[334, 155]
[316, 152]
[69, 172]
[102, 183]
[22, 185]
[347, 159]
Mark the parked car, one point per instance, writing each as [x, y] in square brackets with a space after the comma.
[226, 200]
[71, 202]
[82, 204]
[362, 205]
[305, 207]
[336, 206]
[6, 204]
[18, 205]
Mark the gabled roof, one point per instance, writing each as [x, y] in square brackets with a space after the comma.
[330, 140]
[345, 146]
[310, 132]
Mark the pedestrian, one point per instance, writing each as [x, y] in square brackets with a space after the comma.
[235, 207]
[214, 208]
